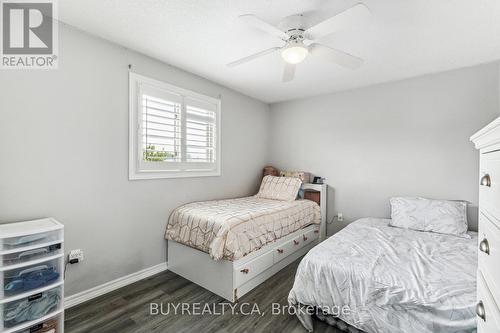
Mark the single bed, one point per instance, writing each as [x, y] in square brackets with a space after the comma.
[230, 229]
[231, 246]
[391, 279]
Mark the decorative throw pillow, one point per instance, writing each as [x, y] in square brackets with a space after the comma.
[440, 216]
[305, 177]
[279, 188]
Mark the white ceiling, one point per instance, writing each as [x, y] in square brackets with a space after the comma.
[401, 39]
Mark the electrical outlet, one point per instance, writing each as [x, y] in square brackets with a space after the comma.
[340, 217]
[75, 254]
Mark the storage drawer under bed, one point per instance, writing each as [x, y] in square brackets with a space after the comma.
[252, 268]
[284, 250]
[310, 236]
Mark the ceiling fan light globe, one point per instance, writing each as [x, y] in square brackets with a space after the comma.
[294, 54]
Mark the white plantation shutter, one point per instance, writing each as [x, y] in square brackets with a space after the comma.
[177, 133]
[200, 132]
[161, 127]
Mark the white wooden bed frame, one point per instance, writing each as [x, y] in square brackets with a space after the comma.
[233, 279]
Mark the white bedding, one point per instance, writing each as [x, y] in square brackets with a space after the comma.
[392, 279]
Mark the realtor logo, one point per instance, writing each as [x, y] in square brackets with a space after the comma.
[29, 34]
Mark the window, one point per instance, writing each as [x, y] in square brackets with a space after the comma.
[174, 132]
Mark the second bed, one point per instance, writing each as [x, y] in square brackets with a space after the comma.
[391, 279]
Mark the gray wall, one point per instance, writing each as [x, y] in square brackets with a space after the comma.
[406, 138]
[64, 153]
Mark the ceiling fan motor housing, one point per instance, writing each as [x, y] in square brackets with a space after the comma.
[294, 24]
[296, 35]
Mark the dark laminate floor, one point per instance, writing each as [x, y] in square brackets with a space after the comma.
[128, 309]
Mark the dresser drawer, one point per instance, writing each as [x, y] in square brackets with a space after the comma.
[487, 311]
[489, 253]
[489, 183]
[251, 269]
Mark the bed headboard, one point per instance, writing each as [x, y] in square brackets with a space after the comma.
[323, 203]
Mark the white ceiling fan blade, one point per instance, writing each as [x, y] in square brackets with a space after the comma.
[358, 12]
[339, 57]
[289, 72]
[256, 22]
[252, 57]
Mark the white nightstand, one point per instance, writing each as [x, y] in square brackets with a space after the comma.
[322, 190]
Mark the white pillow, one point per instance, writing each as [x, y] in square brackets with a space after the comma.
[279, 188]
[441, 216]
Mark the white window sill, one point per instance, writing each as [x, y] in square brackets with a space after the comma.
[172, 174]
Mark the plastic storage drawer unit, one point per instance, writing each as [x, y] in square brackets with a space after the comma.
[31, 277]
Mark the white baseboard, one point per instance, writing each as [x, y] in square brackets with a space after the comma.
[112, 285]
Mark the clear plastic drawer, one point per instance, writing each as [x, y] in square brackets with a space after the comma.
[24, 279]
[31, 308]
[22, 256]
[52, 325]
[30, 241]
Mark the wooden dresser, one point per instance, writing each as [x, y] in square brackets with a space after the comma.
[487, 140]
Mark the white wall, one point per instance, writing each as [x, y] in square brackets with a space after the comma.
[64, 153]
[407, 138]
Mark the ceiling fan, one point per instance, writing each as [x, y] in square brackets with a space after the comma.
[301, 41]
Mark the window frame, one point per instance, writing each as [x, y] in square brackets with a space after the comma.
[139, 169]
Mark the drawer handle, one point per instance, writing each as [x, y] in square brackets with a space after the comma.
[316, 231]
[245, 271]
[304, 237]
[486, 180]
[480, 310]
[484, 246]
[279, 250]
[296, 242]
